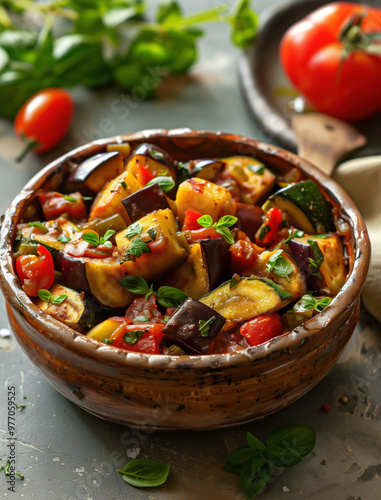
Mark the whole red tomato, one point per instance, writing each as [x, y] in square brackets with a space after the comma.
[333, 56]
[44, 119]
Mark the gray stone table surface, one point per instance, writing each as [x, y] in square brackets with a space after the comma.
[67, 454]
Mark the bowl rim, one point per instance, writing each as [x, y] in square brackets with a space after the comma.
[79, 344]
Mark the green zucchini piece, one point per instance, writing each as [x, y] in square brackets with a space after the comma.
[305, 207]
[248, 298]
[75, 311]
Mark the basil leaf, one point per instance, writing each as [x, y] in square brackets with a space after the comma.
[107, 236]
[157, 155]
[226, 233]
[257, 463]
[318, 254]
[107, 244]
[108, 341]
[168, 296]
[237, 457]
[132, 337]
[244, 23]
[321, 236]
[205, 221]
[123, 184]
[252, 484]
[204, 326]
[39, 225]
[294, 233]
[152, 233]
[136, 248]
[168, 11]
[70, 198]
[283, 456]
[63, 238]
[233, 282]
[44, 295]
[166, 183]
[134, 229]
[135, 284]
[142, 473]
[91, 239]
[254, 443]
[225, 221]
[58, 299]
[298, 437]
[257, 169]
[279, 265]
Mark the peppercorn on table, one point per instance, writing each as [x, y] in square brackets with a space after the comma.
[65, 453]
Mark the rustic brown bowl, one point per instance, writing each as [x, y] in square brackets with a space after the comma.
[189, 392]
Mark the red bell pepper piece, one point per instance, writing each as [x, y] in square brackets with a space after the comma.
[262, 328]
[35, 272]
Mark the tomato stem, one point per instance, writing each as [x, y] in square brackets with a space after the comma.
[29, 144]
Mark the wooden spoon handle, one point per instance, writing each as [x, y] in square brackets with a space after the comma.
[324, 140]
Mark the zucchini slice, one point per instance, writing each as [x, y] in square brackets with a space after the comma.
[248, 298]
[75, 311]
[304, 206]
[255, 181]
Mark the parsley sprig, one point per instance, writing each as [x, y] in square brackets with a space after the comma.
[166, 296]
[94, 240]
[256, 462]
[279, 265]
[220, 226]
[46, 296]
[309, 302]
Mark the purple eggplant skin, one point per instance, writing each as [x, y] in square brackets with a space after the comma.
[301, 252]
[205, 168]
[74, 273]
[250, 218]
[145, 201]
[184, 326]
[110, 163]
[217, 258]
[153, 152]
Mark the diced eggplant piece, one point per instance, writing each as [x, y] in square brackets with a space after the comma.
[195, 325]
[254, 180]
[91, 175]
[155, 153]
[248, 298]
[191, 277]
[204, 197]
[250, 218]
[332, 269]
[152, 158]
[98, 277]
[203, 169]
[75, 311]
[217, 260]
[109, 200]
[304, 206]
[167, 246]
[123, 148]
[295, 282]
[145, 201]
[104, 330]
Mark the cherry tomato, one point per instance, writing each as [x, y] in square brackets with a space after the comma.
[35, 272]
[262, 328]
[56, 204]
[328, 57]
[44, 119]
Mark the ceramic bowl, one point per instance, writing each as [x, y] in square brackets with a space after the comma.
[187, 392]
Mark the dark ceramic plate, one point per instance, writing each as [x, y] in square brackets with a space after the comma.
[266, 88]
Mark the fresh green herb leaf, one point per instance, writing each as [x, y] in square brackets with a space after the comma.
[143, 473]
[39, 225]
[134, 229]
[44, 295]
[108, 341]
[205, 221]
[21, 476]
[20, 407]
[70, 198]
[58, 299]
[279, 265]
[152, 233]
[157, 155]
[298, 437]
[181, 166]
[244, 23]
[204, 326]
[257, 169]
[264, 230]
[294, 233]
[91, 239]
[87, 198]
[63, 238]
[136, 248]
[321, 235]
[235, 279]
[104, 240]
[254, 443]
[238, 457]
[168, 296]
[135, 284]
[123, 184]
[140, 319]
[318, 254]
[226, 233]
[315, 268]
[165, 182]
[132, 337]
[225, 221]
[309, 302]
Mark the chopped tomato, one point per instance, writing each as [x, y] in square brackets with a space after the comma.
[205, 233]
[262, 328]
[144, 175]
[149, 336]
[243, 256]
[146, 309]
[78, 247]
[35, 272]
[56, 204]
[190, 222]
